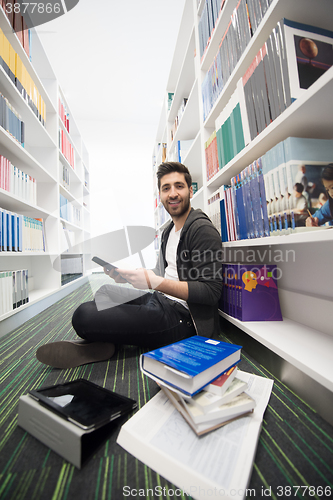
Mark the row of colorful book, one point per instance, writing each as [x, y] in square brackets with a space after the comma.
[63, 114]
[250, 292]
[69, 212]
[18, 23]
[210, 14]
[293, 57]
[15, 69]
[228, 138]
[19, 233]
[14, 290]
[201, 379]
[276, 193]
[66, 148]
[16, 182]
[11, 121]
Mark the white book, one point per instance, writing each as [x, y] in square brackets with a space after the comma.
[238, 405]
[199, 429]
[159, 436]
[206, 401]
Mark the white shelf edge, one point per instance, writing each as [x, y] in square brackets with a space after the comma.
[171, 115]
[317, 236]
[307, 349]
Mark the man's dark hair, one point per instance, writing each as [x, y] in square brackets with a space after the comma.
[299, 187]
[173, 166]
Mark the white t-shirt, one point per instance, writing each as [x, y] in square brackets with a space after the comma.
[171, 258]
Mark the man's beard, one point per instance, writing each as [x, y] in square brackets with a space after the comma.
[185, 208]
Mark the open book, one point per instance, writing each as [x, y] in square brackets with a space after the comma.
[159, 436]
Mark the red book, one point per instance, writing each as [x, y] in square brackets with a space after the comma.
[221, 384]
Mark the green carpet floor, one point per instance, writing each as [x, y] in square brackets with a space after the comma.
[295, 447]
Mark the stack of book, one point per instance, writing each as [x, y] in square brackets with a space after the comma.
[199, 376]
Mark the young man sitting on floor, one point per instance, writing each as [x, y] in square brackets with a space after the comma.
[185, 287]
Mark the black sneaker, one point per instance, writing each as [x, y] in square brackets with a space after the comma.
[72, 353]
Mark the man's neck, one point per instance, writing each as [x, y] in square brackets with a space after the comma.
[180, 221]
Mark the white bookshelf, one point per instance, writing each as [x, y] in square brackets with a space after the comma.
[304, 338]
[42, 158]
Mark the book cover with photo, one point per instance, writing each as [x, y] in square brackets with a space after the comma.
[305, 160]
[309, 54]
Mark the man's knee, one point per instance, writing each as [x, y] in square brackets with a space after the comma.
[82, 315]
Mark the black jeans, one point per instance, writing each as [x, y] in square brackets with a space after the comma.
[124, 315]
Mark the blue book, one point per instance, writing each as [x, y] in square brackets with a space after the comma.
[190, 364]
[243, 230]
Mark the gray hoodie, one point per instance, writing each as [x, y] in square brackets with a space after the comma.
[199, 262]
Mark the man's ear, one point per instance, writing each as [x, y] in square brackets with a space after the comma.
[191, 192]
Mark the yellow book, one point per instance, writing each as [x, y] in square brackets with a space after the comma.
[19, 74]
[1, 46]
[5, 57]
[12, 60]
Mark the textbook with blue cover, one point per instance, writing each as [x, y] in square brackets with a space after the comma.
[190, 364]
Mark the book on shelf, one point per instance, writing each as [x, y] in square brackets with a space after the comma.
[17, 72]
[20, 233]
[18, 23]
[292, 177]
[11, 121]
[17, 182]
[63, 113]
[190, 364]
[250, 292]
[159, 436]
[234, 41]
[66, 178]
[14, 290]
[207, 22]
[69, 212]
[274, 195]
[211, 156]
[66, 148]
[178, 118]
[292, 58]
[180, 150]
[214, 212]
[170, 97]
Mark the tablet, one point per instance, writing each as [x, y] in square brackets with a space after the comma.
[103, 263]
[84, 403]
